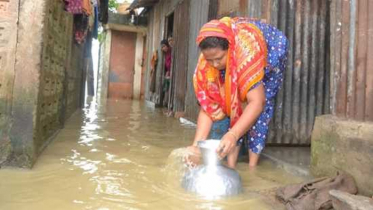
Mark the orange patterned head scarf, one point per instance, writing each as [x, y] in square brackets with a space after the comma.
[247, 56]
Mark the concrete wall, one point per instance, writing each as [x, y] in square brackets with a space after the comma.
[103, 69]
[8, 41]
[43, 77]
[343, 145]
[26, 82]
[137, 80]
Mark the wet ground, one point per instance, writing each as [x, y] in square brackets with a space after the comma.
[125, 156]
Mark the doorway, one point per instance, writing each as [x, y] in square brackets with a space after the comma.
[122, 65]
[167, 90]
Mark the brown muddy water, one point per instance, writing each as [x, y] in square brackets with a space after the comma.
[125, 156]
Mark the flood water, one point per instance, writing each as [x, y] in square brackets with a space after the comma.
[125, 156]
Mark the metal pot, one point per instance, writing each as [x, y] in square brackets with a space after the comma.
[212, 179]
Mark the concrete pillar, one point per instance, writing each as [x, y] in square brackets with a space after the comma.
[8, 41]
[104, 66]
[26, 82]
[138, 67]
[343, 145]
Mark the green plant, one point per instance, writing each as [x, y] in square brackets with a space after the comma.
[100, 37]
[113, 5]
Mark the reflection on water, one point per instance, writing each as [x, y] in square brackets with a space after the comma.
[124, 156]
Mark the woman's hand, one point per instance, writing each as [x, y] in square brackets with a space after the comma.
[193, 157]
[256, 101]
[227, 144]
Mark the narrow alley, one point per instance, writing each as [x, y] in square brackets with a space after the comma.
[125, 156]
[186, 104]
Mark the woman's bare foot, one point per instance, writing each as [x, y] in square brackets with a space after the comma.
[253, 159]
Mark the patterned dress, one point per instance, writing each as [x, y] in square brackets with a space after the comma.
[276, 64]
[277, 58]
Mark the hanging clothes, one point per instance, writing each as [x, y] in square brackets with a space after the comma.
[153, 71]
[74, 6]
[87, 7]
[94, 2]
[79, 6]
[91, 18]
[95, 24]
[80, 27]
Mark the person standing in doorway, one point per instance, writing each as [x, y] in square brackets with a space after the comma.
[166, 49]
[242, 61]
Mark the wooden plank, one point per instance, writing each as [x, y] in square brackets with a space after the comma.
[336, 56]
[288, 76]
[157, 34]
[274, 7]
[282, 15]
[314, 56]
[149, 54]
[198, 16]
[305, 70]
[244, 8]
[277, 117]
[361, 58]
[322, 88]
[333, 55]
[279, 111]
[227, 6]
[272, 11]
[297, 70]
[181, 58]
[213, 9]
[369, 66]
[351, 65]
[265, 10]
[255, 8]
[342, 83]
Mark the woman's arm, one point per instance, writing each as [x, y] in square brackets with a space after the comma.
[204, 124]
[256, 102]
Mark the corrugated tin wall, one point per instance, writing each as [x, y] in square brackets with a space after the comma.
[305, 91]
[351, 59]
[199, 10]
